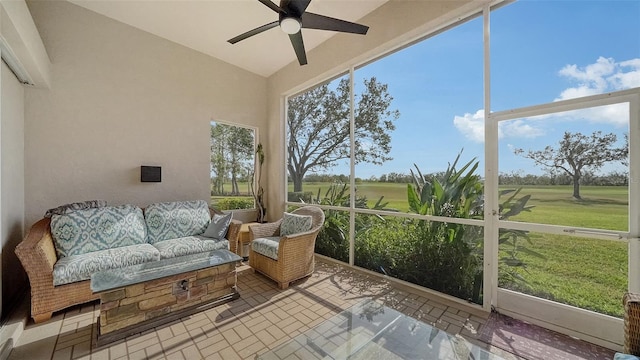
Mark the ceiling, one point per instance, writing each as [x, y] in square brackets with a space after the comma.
[206, 25]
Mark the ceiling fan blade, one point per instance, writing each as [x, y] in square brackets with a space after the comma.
[321, 22]
[272, 6]
[255, 31]
[298, 6]
[298, 47]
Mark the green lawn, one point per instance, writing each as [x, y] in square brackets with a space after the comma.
[602, 207]
[588, 273]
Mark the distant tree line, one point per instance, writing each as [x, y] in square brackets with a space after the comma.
[613, 178]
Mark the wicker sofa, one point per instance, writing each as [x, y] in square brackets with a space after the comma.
[40, 251]
[285, 256]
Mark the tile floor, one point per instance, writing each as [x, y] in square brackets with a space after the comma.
[263, 318]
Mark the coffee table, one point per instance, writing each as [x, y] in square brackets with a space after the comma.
[370, 330]
[140, 297]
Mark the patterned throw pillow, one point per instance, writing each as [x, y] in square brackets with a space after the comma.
[218, 226]
[95, 229]
[69, 208]
[294, 224]
[172, 220]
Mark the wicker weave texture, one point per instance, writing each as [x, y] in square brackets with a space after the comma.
[37, 255]
[295, 252]
[631, 323]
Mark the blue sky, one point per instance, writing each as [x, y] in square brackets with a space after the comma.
[541, 51]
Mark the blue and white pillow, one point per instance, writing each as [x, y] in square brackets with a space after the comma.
[172, 220]
[94, 229]
[294, 224]
[218, 226]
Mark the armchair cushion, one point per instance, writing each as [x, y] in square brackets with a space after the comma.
[267, 246]
[294, 224]
[80, 267]
[218, 226]
[621, 356]
[189, 245]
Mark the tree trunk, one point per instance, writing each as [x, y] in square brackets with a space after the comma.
[576, 187]
[234, 185]
[297, 181]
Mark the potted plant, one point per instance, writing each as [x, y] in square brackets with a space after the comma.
[259, 195]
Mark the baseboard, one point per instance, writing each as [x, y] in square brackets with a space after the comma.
[13, 325]
[6, 348]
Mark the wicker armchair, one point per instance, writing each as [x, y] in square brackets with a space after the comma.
[295, 252]
[631, 304]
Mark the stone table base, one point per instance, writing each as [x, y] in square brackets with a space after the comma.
[135, 308]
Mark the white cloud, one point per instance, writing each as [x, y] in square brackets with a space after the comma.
[605, 75]
[628, 79]
[471, 125]
[617, 115]
[518, 128]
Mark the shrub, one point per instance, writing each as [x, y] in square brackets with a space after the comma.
[333, 239]
[235, 203]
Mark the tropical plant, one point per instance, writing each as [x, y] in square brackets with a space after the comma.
[460, 194]
[333, 239]
[259, 195]
[448, 256]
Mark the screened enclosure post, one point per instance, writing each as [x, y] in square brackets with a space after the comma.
[352, 166]
[490, 273]
[634, 195]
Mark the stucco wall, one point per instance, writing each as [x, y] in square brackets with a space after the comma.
[121, 98]
[11, 185]
[393, 24]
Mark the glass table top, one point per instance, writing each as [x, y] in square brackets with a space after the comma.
[370, 330]
[115, 278]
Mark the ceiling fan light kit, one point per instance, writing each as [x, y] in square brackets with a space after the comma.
[293, 17]
[290, 25]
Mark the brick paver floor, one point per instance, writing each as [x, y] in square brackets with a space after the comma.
[261, 319]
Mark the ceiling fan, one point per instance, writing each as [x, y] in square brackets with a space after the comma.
[293, 17]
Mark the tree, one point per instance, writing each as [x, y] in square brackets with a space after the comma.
[318, 122]
[231, 150]
[577, 154]
[240, 149]
[218, 153]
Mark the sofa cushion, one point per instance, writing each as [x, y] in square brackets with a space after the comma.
[218, 226]
[267, 246]
[294, 224]
[95, 229]
[172, 220]
[189, 245]
[80, 267]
